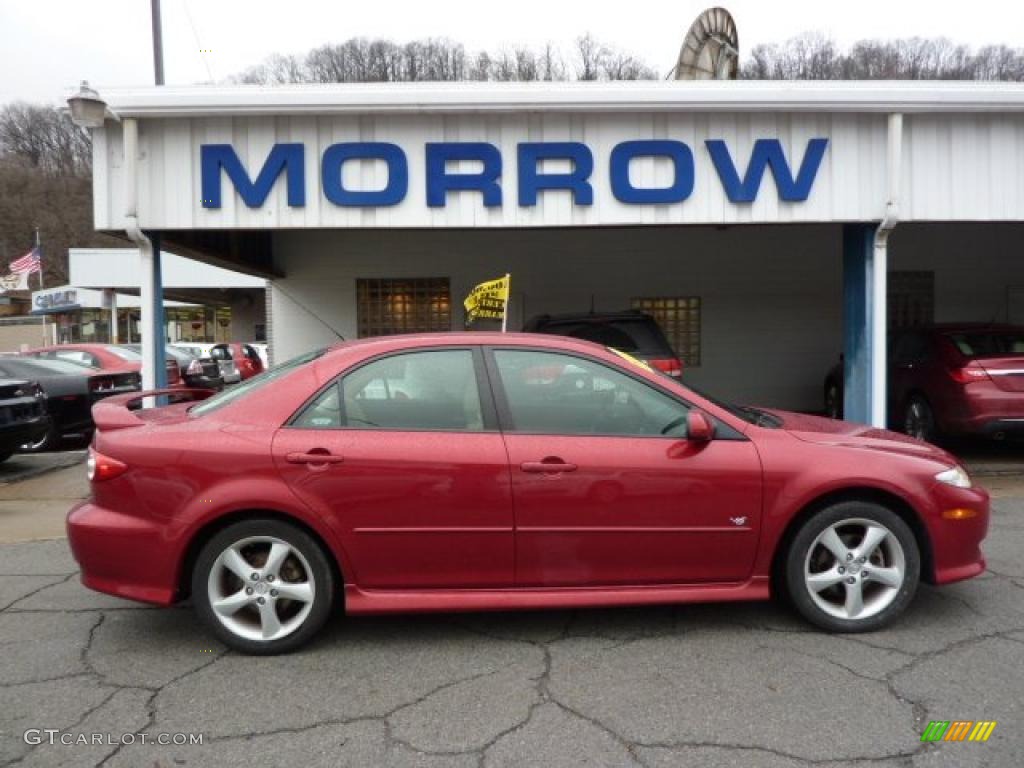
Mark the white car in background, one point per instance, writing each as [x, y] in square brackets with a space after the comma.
[228, 370]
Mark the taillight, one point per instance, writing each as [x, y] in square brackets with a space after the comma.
[669, 366]
[99, 467]
[968, 374]
[195, 368]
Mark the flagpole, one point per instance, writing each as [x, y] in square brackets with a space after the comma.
[39, 248]
[508, 300]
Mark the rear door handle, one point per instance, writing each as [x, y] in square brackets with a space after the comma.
[313, 458]
[547, 466]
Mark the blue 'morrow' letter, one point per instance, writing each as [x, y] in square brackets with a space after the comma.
[623, 189]
[439, 181]
[283, 157]
[398, 174]
[531, 181]
[767, 154]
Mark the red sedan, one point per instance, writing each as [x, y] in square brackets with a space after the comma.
[482, 471]
[107, 357]
[247, 359]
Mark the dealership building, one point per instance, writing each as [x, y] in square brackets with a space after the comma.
[770, 227]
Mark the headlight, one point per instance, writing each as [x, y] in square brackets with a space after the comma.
[956, 476]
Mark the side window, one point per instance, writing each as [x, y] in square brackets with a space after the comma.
[551, 393]
[76, 356]
[434, 389]
[220, 353]
[322, 413]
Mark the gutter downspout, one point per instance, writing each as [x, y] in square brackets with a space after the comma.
[147, 288]
[880, 268]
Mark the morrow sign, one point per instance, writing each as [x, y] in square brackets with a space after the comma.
[487, 178]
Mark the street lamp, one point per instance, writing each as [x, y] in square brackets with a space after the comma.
[88, 110]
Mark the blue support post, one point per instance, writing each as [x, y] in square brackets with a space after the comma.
[858, 317]
[158, 328]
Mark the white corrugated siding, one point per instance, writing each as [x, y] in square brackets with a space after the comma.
[849, 186]
[955, 167]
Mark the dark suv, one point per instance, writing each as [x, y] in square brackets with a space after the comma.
[951, 379]
[635, 333]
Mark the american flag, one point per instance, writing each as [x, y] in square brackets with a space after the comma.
[27, 264]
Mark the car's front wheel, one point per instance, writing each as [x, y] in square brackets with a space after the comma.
[853, 567]
[263, 586]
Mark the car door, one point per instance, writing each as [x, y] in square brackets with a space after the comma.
[403, 457]
[607, 488]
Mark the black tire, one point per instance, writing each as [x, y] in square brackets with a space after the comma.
[319, 573]
[833, 401]
[882, 603]
[919, 419]
[47, 442]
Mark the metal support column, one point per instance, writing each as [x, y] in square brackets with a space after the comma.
[862, 316]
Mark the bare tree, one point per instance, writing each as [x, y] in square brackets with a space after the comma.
[814, 57]
[45, 138]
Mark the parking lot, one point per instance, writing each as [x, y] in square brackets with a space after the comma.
[718, 685]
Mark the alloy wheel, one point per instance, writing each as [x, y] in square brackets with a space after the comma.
[854, 569]
[918, 420]
[261, 588]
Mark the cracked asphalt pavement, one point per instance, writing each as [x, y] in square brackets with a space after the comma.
[712, 685]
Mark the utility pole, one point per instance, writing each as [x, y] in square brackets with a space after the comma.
[158, 42]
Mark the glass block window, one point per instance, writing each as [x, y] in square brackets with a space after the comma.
[386, 306]
[679, 318]
[911, 299]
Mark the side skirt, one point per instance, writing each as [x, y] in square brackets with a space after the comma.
[365, 601]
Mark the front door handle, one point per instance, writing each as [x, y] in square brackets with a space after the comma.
[550, 466]
[313, 457]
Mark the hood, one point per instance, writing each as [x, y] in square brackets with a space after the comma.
[817, 429]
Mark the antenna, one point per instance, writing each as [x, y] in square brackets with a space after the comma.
[711, 49]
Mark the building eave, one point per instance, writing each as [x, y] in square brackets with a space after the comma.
[568, 97]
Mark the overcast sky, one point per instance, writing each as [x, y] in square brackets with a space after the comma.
[47, 46]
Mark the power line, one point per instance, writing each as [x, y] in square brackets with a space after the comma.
[199, 45]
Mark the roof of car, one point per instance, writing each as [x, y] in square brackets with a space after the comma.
[456, 338]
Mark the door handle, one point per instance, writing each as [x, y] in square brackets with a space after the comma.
[551, 467]
[297, 457]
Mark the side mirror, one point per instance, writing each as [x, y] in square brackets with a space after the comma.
[699, 427]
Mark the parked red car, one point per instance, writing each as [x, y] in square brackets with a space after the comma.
[965, 379]
[485, 471]
[107, 357]
[247, 359]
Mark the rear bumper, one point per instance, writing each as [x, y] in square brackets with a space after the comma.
[956, 544]
[123, 555]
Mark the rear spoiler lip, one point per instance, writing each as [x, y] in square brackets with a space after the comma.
[113, 412]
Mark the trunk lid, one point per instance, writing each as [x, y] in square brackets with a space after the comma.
[1007, 372]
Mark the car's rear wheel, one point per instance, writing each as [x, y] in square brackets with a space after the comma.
[853, 567]
[263, 586]
[919, 420]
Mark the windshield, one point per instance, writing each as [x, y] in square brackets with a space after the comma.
[251, 385]
[43, 367]
[989, 343]
[747, 413]
[125, 353]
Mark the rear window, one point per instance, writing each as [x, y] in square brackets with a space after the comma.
[125, 353]
[238, 391]
[988, 343]
[44, 367]
[636, 336]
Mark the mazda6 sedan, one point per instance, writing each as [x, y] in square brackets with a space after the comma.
[467, 472]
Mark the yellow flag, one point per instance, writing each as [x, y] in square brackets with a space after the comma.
[488, 300]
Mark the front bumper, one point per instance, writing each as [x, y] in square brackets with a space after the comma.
[13, 436]
[956, 544]
[123, 555]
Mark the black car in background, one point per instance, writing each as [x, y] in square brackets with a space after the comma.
[197, 372]
[23, 417]
[630, 331]
[71, 389]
